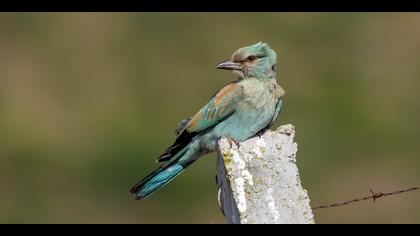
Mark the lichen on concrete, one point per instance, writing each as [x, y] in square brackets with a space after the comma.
[265, 180]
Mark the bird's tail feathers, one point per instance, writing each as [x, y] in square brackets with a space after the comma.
[160, 177]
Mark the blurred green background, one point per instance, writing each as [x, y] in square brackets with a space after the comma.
[89, 100]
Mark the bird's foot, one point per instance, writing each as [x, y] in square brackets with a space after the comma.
[261, 133]
[232, 141]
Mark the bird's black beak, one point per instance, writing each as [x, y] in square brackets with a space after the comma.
[229, 65]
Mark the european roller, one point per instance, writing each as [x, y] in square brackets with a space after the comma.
[242, 109]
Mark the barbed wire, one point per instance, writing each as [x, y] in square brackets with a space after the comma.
[374, 196]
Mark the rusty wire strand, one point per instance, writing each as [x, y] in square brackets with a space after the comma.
[373, 196]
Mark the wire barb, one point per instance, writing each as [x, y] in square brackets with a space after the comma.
[374, 196]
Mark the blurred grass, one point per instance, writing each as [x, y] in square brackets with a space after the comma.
[89, 100]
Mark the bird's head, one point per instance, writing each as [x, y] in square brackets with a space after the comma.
[255, 61]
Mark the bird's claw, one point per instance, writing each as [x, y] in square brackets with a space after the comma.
[261, 133]
[232, 141]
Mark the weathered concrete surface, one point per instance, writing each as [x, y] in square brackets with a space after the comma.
[262, 178]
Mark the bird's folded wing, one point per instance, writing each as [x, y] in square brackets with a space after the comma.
[181, 126]
[279, 107]
[220, 107]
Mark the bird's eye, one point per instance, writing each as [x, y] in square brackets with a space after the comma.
[251, 58]
[273, 68]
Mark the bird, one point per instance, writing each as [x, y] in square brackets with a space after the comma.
[244, 108]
